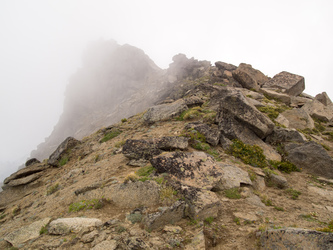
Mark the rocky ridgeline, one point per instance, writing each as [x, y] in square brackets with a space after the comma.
[227, 159]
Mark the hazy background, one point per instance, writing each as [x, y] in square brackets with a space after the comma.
[41, 44]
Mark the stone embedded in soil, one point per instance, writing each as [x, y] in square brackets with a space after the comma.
[67, 225]
[26, 233]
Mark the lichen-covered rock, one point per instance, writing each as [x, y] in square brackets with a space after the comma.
[312, 157]
[206, 204]
[31, 162]
[318, 110]
[106, 245]
[278, 96]
[282, 135]
[163, 112]
[68, 225]
[290, 84]
[146, 149]
[323, 98]
[140, 149]
[168, 215]
[298, 119]
[67, 144]
[199, 170]
[211, 132]
[26, 233]
[234, 105]
[295, 238]
[249, 77]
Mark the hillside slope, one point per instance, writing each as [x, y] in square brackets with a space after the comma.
[229, 160]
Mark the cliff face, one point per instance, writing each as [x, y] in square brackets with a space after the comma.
[114, 82]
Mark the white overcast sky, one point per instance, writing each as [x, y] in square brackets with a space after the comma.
[41, 44]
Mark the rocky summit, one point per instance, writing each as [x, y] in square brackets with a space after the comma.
[197, 156]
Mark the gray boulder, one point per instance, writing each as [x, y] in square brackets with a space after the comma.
[318, 110]
[147, 149]
[290, 84]
[285, 98]
[164, 112]
[249, 77]
[140, 149]
[62, 149]
[25, 172]
[278, 181]
[312, 157]
[211, 132]
[31, 162]
[199, 170]
[323, 98]
[298, 119]
[282, 135]
[168, 215]
[235, 105]
[296, 238]
[206, 204]
[225, 66]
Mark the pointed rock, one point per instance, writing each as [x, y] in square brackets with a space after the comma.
[67, 144]
[323, 98]
[290, 84]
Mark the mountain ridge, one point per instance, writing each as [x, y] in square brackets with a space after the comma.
[216, 161]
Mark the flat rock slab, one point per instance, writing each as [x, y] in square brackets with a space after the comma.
[26, 233]
[296, 238]
[24, 180]
[326, 194]
[24, 172]
[318, 110]
[164, 111]
[290, 84]
[298, 119]
[67, 225]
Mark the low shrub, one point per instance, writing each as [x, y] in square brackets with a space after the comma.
[86, 204]
[232, 193]
[111, 135]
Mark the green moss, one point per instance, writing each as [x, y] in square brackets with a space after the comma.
[53, 189]
[293, 193]
[145, 171]
[63, 161]
[123, 120]
[284, 166]
[201, 146]
[237, 220]
[209, 220]
[43, 230]
[232, 193]
[86, 204]
[111, 135]
[252, 155]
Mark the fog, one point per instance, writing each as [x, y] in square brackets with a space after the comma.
[41, 45]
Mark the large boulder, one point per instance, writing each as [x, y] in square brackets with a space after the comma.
[249, 77]
[298, 119]
[31, 161]
[318, 110]
[225, 66]
[312, 157]
[164, 112]
[199, 170]
[62, 149]
[295, 238]
[288, 83]
[147, 149]
[283, 135]
[26, 233]
[236, 106]
[211, 132]
[205, 204]
[323, 98]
